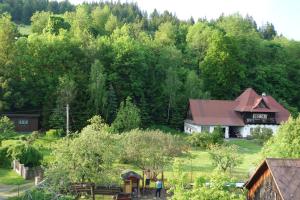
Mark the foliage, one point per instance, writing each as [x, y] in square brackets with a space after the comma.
[26, 154]
[150, 149]
[84, 158]
[128, 117]
[37, 194]
[101, 53]
[217, 187]
[55, 133]
[285, 143]
[205, 139]
[262, 135]
[5, 159]
[225, 157]
[7, 127]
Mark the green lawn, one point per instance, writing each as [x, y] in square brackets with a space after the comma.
[9, 177]
[201, 165]
[24, 29]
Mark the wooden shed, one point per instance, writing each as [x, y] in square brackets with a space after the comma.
[25, 122]
[275, 179]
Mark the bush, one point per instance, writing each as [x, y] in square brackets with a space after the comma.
[205, 139]
[262, 135]
[26, 154]
[7, 127]
[202, 140]
[5, 159]
[55, 133]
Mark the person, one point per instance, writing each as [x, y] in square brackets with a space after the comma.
[158, 188]
[148, 178]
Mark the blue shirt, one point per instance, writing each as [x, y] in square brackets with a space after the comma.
[158, 184]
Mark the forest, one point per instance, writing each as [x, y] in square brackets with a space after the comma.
[94, 56]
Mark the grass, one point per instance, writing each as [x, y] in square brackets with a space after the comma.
[10, 177]
[197, 164]
[43, 144]
[200, 163]
[24, 29]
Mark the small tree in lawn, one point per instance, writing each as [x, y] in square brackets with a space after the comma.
[128, 117]
[225, 157]
[150, 149]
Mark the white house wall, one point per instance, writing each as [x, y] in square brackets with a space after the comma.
[246, 130]
[190, 128]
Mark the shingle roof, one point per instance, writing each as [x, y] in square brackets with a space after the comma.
[249, 101]
[221, 112]
[215, 112]
[286, 175]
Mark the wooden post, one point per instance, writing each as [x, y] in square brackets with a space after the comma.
[67, 120]
[143, 181]
[93, 191]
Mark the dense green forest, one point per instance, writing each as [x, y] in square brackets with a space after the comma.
[93, 56]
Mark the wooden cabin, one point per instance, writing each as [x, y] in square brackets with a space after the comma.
[25, 122]
[275, 179]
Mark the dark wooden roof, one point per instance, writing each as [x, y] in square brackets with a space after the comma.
[286, 174]
[20, 115]
[126, 174]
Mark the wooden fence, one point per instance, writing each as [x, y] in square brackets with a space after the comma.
[28, 173]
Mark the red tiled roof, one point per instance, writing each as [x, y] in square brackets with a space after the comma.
[215, 112]
[249, 101]
[221, 112]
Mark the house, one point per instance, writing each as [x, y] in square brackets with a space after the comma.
[25, 122]
[238, 117]
[275, 179]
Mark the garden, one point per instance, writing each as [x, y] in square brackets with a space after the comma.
[199, 155]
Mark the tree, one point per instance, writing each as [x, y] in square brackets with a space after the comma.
[150, 149]
[268, 31]
[84, 158]
[225, 157]
[285, 143]
[7, 127]
[98, 87]
[128, 117]
[39, 21]
[55, 24]
[171, 88]
[8, 34]
[193, 87]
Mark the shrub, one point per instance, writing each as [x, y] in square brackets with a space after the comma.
[205, 139]
[202, 140]
[262, 134]
[55, 133]
[26, 154]
[7, 127]
[35, 135]
[5, 159]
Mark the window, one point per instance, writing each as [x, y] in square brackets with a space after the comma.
[205, 128]
[260, 116]
[23, 122]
